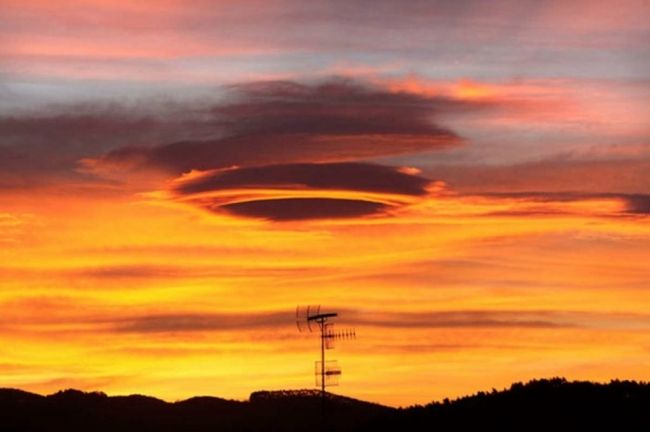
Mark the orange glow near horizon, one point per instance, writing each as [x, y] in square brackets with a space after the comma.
[128, 295]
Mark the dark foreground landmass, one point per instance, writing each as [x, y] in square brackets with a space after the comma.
[548, 405]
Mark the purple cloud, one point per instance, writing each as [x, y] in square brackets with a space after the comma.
[287, 122]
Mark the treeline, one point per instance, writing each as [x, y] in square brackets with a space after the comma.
[548, 405]
[540, 405]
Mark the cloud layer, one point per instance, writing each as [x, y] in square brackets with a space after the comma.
[198, 322]
[302, 191]
[272, 122]
[334, 176]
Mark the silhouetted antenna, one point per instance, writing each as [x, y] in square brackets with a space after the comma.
[310, 318]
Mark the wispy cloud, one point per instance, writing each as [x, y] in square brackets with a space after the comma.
[278, 122]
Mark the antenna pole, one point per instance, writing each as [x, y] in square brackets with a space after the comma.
[322, 370]
[322, 357]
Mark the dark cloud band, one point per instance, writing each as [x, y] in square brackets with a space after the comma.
[387, 319]
[633, 204]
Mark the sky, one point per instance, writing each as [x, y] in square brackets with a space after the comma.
[466, 183]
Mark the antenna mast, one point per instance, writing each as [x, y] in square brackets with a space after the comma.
[327, 372]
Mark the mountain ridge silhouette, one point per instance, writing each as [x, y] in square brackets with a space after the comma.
[544, 404]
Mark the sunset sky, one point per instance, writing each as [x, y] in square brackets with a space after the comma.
[466, 182]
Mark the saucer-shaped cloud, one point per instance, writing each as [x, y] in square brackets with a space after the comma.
[287, 209]
[302, 191]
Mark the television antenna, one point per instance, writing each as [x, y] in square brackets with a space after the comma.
[311, 319]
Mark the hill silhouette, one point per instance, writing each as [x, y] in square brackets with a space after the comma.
[540, 405]
[554, 404]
